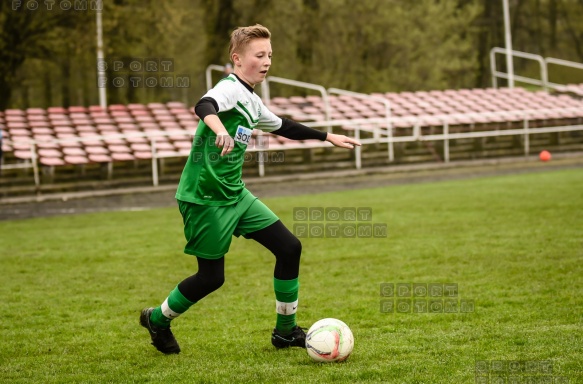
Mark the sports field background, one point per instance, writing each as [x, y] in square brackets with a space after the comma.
[72, 288]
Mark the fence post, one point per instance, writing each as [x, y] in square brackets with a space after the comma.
[34, 159]
[526, 136]
[357, 149]
[154, 162]
[446, 140]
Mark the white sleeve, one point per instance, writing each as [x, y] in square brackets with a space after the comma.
[225, 94]
[268, 121]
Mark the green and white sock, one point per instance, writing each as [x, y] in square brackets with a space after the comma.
[286, 304]
[174, 305]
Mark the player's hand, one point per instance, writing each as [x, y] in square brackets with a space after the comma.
[342, 141]
[226, 142]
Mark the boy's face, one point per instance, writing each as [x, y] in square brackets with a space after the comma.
[252, 64]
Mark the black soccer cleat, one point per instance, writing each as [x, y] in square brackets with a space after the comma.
[162, 338]
[296, 339]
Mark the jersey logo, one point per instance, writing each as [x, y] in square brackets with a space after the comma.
[243, 135]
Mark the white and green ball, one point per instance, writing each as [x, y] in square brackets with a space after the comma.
[329, 340]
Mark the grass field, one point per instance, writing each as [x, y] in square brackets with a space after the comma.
[72, 289]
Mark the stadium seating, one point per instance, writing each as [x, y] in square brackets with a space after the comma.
[82, 135]
[574, 90]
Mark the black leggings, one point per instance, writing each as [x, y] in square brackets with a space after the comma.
[211, 273]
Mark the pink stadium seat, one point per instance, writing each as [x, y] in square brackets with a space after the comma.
[96, 150]
[144, 119]
[78, 115]
[120, 156]
[165, 118]
[140, 112]
[47, 144]
[179, 111]
[6, 147]
[279, 100]
[128, 127]
[82, 121]
[42, 138]
[164, 146]
[13, 112]
[117, 107]
[123, 119]
[170, 125]
[39, 125]
[19, 131]
[133, 107]
[36, 112]
[124, 113]
[91, 142]
[103, 120]
[63, 129]
[38, 117]
[182, 144]
[61, 122]
[57, 110]
[107, 128]
[136, 140]
[149, 126]
[167, 153]
[179, 137]
[15, 118]
[22, 154]
[118, 148]
[160, 111]
[77, 109]
[140, 147]
[99, 114]
[114, 141]
[297, 100]
[175, 104]
[99, 158]
[73, 152]
[143, 155]
[51, 161]
[49, 153]
[76, 160]
[86, 129]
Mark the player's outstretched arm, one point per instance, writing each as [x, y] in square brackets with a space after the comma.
[342, 141]
[297, 131]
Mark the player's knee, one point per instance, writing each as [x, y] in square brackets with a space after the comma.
[214, 281]
[217, 282]
[297, 247]
[294, 250]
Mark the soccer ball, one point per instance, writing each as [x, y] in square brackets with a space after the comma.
[329, 340]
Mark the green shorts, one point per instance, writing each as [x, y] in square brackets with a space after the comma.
[209, 230]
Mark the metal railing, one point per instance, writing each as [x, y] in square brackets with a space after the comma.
[300, 84]
[543, 63]
[387, 105]
[543, 82]
[209, 74]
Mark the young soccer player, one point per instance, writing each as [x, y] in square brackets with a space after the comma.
[213, 200]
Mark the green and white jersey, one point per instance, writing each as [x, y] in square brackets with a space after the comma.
[209, 178]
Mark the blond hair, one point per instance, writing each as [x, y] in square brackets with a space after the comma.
[241, 37]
